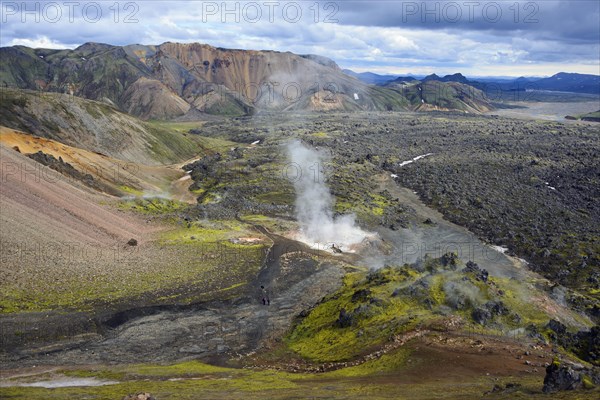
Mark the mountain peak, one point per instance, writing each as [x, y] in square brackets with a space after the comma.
[457, 77]
[432, 77]
[93, 47]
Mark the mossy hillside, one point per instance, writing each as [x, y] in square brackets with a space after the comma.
[96, 126]
[176, 126]
[273, 224]
[10, 103]
[131, 191]
[168, 145]
[206, 231]
[319, 338]
[154, 206]
[388, 99]
[394, 361]
[372, 307]
[175, 142]
[216, 273]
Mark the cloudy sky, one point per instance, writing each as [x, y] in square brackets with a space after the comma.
[477, 38]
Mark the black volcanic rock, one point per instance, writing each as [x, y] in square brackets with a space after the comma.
[481, 315]
[562, 377]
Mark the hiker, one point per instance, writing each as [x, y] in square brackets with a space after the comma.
[336, 249]
[265, 296]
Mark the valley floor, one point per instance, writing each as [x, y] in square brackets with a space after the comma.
[187, 291]
[547, 111]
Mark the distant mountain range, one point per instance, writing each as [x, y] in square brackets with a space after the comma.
[561, 82]
[185, 80]
[370, 77]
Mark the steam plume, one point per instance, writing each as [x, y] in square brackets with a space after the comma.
[314, 203]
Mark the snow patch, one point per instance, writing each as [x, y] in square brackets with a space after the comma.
[500, 249]
[62, 382]
[417, 158]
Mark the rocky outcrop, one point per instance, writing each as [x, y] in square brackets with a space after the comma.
[585, 343]
[480, 274]
[561, 377]
[69, 171]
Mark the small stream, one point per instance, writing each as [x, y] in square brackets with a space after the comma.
[61, 382]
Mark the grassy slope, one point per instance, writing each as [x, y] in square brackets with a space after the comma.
[93, 126]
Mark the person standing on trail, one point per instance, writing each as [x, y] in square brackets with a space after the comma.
[265, 296]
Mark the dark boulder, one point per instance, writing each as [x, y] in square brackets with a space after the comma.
[450, 260]
[561, 377]
[483, 276]
[557, 327]
[480, 274]
[586, 344]
[376, 278]
[481, 315]
[345, 319]
[361, 295]
[496, 308]
[471, 267]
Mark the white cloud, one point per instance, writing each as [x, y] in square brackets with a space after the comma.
[41, 42]
[361, 40]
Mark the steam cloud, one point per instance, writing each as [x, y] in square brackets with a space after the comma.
[314, 203]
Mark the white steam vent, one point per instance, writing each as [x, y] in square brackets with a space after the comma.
[314, 204]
